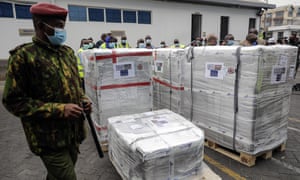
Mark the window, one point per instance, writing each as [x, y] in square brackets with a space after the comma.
[224, 26]
[290, 11]
[96, 14]
[6, 9]
[77, 13]
[268, 20]
[113, 15]
[279, 14]
[298, 12]
[129, 16]
[252, 23]
[144, 17]
[279, 35]
[22, 11]
[196, 26]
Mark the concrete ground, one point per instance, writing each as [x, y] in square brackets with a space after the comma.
[18, 163]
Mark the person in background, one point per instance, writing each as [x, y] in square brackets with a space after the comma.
[259, 41]
[163, 44]
[84, 45]
[124, 43]
[283, 40]
[42, 87]
[140, 43]
[228, 40]
[197, 42]
[110, 43]
[212, 40]
[177, 44]
[148, 42]
[91, 41]
[101, 41]
[294, 41]
[251, 40]
[114, 41]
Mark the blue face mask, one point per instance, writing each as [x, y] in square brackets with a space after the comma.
[111, 45]
[230, 42]
[59, 37]
[141, 45]
[85, 46]
[123, 41]
[254, 43]
[91, 46]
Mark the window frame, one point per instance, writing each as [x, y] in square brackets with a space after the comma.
[111, 15]
[23, 8]
[142, 20]
[129, 20]
[100, 19]
[9, 9]
[73, 15]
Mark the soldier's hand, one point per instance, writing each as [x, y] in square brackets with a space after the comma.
[87, 107]
[72, 111]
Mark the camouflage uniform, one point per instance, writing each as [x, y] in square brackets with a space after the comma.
[40, 81]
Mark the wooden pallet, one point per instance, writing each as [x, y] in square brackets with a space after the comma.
[243, 158]
[104, 147]
[206, 173]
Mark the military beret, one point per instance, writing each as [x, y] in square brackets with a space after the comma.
[48, 9]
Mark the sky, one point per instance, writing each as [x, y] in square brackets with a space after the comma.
[283, 2]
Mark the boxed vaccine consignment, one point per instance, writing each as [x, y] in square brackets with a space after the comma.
[241, 95]
[155, 145]
[168, 75]
[118, 82]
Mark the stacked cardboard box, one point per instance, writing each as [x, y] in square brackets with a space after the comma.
[155, 145]
[118, 82]
[168, 77]
[240, 96]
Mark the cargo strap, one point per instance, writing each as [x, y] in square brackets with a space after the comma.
[236, 92]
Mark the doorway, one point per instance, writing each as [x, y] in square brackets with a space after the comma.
[196, 26]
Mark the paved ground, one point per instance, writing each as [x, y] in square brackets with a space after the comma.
[17, 162]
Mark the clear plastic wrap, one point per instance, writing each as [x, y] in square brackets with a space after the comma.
[118, 82]
[155, 145]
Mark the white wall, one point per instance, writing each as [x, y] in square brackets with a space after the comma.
[169, 21]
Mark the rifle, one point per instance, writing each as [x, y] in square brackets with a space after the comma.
[91, 124]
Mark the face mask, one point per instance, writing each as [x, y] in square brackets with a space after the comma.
[148, 41]
[197, 42]
[141, 45]
[59, 37]
[123, 41]
[176, 44]
[111, 45]
[162, 45]
[254, 43]
[230, 42]
[91, 45]
[85, 46]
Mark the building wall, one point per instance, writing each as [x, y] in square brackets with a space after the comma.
[289, 23]
[170, 20]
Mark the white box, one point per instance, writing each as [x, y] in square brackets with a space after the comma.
[155, 145]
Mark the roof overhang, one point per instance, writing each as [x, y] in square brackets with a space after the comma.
[284, 28]
[229, 3]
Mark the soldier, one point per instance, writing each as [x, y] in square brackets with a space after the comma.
[43, 88]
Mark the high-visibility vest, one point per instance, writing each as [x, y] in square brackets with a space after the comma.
[120, 45]
[79, 63]
[180, 46]
[103, 46]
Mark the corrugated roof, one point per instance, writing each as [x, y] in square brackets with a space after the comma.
[256, 4]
